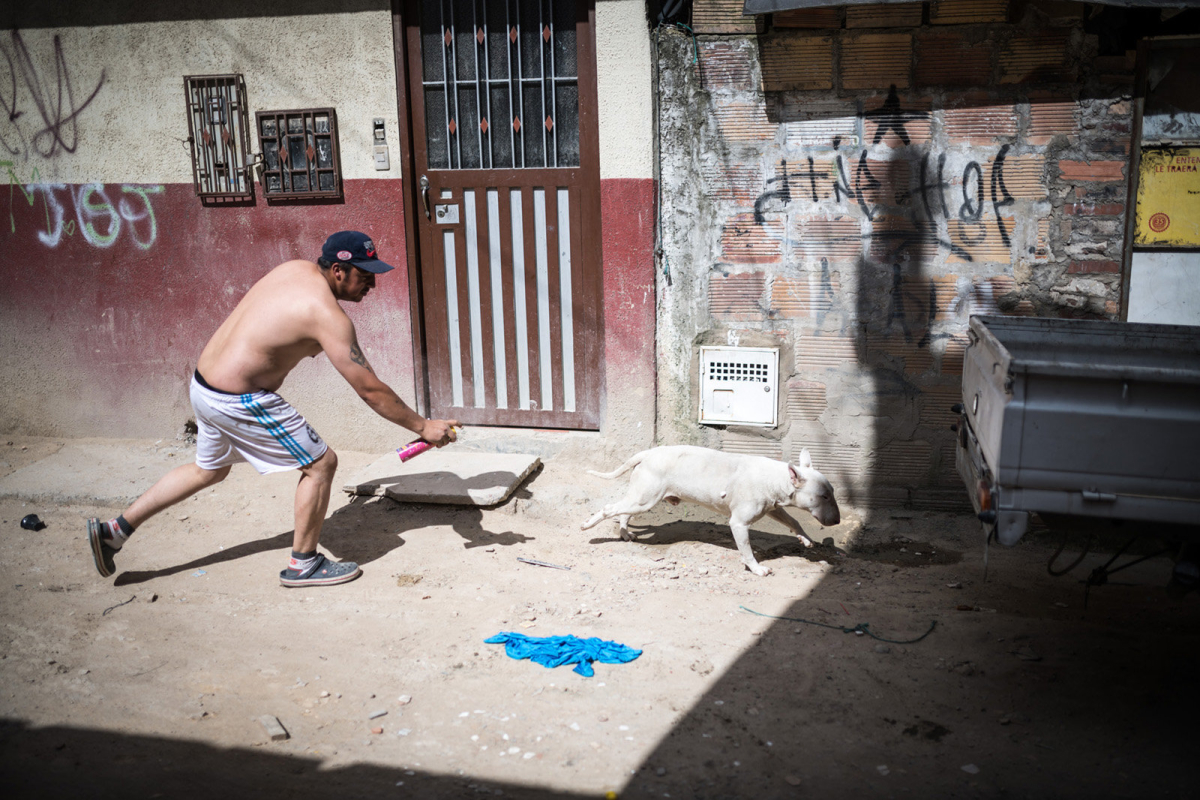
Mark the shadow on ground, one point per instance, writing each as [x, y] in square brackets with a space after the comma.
[69, 762]
[363, 530]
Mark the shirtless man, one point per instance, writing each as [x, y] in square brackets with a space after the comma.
[292, 312]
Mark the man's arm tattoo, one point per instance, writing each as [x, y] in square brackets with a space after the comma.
[356, 355]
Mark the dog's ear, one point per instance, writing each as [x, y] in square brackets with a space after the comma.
[805, 460]
[797, 481]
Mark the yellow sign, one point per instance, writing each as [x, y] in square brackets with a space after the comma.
[1168, 197]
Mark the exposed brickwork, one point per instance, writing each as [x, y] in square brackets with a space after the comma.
[737, 297]
[899, 15]
[885, 117]
[981, 243]
[817, 352]
[952, 355]
[920, 173]
[744, 122]
[982, 122]
[1049, 117]
[1094, 209]
[951, 59]
[810, 124]
[1042, 58]
[745, 241]
[914, 358]
[807, 18]
[835, 240]
[903, 463]
[723, 16]
[752, 446]
[722, 65]
[1113, 267]
[962, 12]
[738, 183]
[1095, 171]
[792, 63]
[1023, 177]
[935, 406]
[876, 61]
[806, 399]
[793, 298]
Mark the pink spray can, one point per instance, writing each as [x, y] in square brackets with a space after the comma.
[414, 449]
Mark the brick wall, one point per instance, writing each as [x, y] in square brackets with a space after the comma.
[850, 184]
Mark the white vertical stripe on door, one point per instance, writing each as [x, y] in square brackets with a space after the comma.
[522, 343]
[493, 208]
[543, 296]
[473, 302]
[456, 388]
[568, 311]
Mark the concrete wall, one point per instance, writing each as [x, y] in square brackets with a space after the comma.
[112, 273]
[850, 184]
[627, 200]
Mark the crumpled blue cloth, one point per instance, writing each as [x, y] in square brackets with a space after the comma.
[554, 651]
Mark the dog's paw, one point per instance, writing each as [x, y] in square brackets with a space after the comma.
[759, 570]
[627, 536]
[804, 540]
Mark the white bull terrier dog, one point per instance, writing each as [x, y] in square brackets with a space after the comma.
[744, 487]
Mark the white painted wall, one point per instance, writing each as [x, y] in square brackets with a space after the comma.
[134, 129]
[624, 73]
[1164, 287]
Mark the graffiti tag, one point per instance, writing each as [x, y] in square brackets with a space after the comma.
[87, 209]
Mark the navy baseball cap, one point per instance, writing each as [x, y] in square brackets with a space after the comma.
[354, 247]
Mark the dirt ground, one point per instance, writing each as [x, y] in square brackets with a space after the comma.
[153, 683]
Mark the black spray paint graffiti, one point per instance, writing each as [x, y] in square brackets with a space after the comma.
[54, 99]
[932, 190]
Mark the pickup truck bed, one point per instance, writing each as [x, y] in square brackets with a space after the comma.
[1080, 418]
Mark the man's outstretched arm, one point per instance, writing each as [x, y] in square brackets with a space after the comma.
[341, 345]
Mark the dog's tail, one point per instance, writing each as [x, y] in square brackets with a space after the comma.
[621, 470]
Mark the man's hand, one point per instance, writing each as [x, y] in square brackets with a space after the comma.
[439, 432]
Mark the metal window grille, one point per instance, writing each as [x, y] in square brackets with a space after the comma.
[501, 84]
[218, 137]
[737, 371]
[300, 157]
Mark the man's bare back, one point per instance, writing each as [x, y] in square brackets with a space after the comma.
[277, 323]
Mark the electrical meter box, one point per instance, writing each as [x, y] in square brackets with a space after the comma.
[738, 385]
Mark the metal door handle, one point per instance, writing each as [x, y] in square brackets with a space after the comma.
[425, 195]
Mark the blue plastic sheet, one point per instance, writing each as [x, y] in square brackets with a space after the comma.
[554, 651]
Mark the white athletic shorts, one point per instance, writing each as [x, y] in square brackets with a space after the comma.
[259, 427]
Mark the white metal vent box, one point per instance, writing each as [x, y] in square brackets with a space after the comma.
[738, 385]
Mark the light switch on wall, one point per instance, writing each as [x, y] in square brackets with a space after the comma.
[382, 159]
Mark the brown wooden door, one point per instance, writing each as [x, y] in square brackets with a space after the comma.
[502, 101]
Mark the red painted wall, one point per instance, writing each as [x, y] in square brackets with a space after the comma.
[627, 209]
[109, 292]
[114, 289]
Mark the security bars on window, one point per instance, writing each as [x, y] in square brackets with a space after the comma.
[300, 154]
[501, 84]
[218, 137]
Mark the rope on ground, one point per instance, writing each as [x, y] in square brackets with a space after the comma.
[118, 605]
[861, 627]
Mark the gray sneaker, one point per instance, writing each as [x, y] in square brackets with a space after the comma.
[102, 553]
[322, 572]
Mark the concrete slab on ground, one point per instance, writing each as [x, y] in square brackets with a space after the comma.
[453, 477]
[103, 473]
